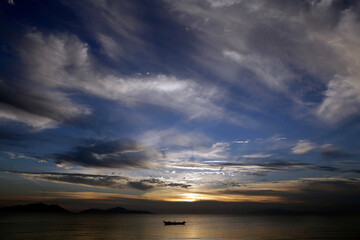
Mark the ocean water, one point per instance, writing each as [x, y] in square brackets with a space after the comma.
[91, 227]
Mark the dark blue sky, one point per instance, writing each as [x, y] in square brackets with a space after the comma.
[219, 100]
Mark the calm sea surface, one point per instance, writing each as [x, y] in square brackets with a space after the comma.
[81, 227]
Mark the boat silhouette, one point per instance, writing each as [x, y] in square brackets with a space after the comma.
[174, 223]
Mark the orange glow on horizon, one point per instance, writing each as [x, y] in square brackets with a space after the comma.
[171, 196]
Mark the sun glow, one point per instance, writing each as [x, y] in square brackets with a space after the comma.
[191, 197]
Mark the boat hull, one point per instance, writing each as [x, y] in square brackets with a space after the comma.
[174, 223]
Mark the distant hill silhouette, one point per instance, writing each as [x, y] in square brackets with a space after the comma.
[34, 208]
[45, 208]
[114, 210]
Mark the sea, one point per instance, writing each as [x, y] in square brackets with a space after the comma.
[151, 226]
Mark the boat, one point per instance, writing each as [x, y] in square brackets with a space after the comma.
[174, 223]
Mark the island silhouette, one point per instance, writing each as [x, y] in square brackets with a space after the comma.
[53, 208]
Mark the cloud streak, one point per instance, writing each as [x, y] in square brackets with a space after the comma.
[330, 152]
[333, 191]
[254, 167]
[103, 181]
[108, 154]
[35, 106]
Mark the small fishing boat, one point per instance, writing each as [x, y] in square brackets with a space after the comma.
[174, 223]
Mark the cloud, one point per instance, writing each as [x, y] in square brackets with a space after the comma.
[182, 96]
[10, 113]
[253, 192]
[272, 165]
[303, 146]
[330, 152]
[257, 155]
[342, 97]
[222, 3]
[145, 183]
[241, 141]
[248, 166]
[110, 47]
[33, 100]
[328, 191]
[103, 181]
[264, 45]
[234, 44]
[11, 2]
[272, 72]
[217, 152]
[36, 106]
[108, 154]
[318, 191]
[115, 25]
[341, 100]
[58, 62]
[14, 155]
[139, 185]
[173, 137]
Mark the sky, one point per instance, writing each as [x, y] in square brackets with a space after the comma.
[181, 106]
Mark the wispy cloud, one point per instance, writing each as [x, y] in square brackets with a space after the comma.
[110, 46]
[173, 137]
[103, 181]
[251, 166]
[274, 165]
[108, 154]
[35, 106]
[14, 155]
[217, 151]
[223, 3]
[234, 43]
[57, 62]
[241, 141]
[331, 191]
[272, 72]
[341, 100]
[331, 152]
[115, 25]
[257, 155]
[303, 146]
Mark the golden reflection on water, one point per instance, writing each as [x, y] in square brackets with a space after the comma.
[101, 226]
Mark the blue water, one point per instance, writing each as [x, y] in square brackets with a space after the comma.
[91, 227]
